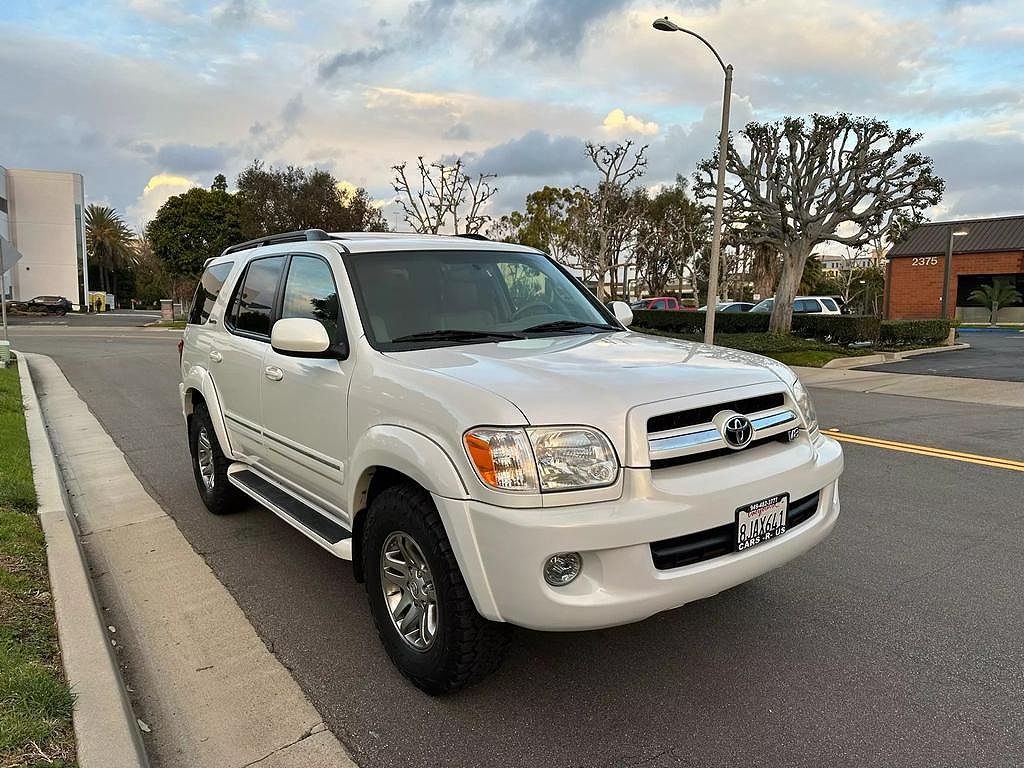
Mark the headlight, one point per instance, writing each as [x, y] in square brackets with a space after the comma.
[544, 458]
[573, 457]
[803, 402]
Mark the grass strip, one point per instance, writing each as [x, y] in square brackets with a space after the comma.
[35, 701]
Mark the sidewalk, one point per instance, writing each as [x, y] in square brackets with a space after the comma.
[205, 685]
[981, 391]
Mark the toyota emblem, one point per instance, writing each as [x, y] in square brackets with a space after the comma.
[738, 432]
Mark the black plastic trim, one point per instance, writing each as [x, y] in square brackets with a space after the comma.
[721, 540]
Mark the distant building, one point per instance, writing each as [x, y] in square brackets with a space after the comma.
[832, 264]
[41, 214]
[992, 248]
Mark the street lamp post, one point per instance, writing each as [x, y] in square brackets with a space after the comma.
[664, 25]
[954, 231]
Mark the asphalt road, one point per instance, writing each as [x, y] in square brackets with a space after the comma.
[993, 355]
[121, 318]
[897, 642]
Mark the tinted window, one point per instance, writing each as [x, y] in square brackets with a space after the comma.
[254, 301]
[207, 291]
[310, 292]
[830, 304]
[659, 304]
[411, 293]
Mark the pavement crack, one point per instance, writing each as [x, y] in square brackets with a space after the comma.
[318, 728]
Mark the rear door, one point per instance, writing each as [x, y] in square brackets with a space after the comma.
[236, 357]
[304, 399]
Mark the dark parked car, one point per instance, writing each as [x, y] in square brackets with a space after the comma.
[43, 305]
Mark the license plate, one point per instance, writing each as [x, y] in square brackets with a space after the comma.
[761, 521]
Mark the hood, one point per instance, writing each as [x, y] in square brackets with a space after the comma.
[594, 379]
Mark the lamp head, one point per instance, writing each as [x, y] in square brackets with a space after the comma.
[664, 25]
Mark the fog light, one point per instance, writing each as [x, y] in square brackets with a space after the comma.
[562, 568]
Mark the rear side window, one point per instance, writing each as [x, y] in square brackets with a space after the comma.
[254, 300]
[207, 291]
[830, 305]
[310, 292]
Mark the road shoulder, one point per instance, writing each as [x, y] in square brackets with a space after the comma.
[209, 690]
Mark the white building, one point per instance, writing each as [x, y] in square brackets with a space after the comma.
[41, 214]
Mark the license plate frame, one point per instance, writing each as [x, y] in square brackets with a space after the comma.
[760, 521]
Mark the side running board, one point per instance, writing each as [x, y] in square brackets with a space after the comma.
[324, 530]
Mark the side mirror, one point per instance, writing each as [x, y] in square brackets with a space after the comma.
[622, 312]
[299, 336]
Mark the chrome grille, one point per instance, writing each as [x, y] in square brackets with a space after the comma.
[697, 434]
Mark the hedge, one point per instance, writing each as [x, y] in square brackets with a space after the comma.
[902, 333]
[834, 329]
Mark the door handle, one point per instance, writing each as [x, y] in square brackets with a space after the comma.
[273, 373]
[216, 356]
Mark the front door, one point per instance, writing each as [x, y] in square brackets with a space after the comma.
[305, 399]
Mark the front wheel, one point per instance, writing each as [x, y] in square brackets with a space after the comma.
[419, 600]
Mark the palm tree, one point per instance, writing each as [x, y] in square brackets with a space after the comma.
[999, 293]
[109, 241]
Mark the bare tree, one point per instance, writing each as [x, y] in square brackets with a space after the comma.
[837, 178]
[444, 193]
[617, 167]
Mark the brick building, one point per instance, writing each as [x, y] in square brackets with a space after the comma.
[992, 248]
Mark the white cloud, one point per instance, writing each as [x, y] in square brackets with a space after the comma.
[618, 123]
[157, 191]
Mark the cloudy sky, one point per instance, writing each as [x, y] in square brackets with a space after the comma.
[148, 97]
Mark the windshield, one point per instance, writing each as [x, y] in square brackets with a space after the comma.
[764, 306]
[417, 299]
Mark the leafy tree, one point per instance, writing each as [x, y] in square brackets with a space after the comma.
[220, 183]
[998, 293]
[193, 227]
[108, 240]
[444, 195]
[152, 282]
[671, 231]
[287, 199]
[833, 178]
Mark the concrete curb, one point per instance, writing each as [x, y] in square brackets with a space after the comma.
[888, 357]
[106, 731]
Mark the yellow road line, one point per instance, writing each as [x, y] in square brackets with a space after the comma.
[925, 450]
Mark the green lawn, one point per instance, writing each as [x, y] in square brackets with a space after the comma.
[35, 703]
[786, 349]
[175, 324]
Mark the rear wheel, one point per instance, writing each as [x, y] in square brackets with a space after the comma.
[210, 465]
[419, 600]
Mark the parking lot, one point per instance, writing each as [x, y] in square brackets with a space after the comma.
[997, 355]
[898, 642]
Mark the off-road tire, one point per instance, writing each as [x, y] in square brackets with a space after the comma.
[466, 646]
[223, 497]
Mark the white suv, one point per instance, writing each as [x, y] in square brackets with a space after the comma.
[804, 305]
[487, 443]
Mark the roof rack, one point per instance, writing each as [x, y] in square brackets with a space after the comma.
[299, 236]
[473, 236]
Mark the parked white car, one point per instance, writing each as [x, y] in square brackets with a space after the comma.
[487, 443]
[804, 305]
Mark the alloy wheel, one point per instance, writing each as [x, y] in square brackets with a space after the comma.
[409, 590]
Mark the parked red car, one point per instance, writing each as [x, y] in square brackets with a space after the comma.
[670, 303]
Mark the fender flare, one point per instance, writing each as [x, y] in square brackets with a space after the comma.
[208, 390]
[407, 451]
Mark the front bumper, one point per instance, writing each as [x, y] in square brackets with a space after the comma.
[502, 551]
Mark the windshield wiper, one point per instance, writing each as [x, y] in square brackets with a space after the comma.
[568, 325]
[457, 335]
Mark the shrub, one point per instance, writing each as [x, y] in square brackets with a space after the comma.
[902, 333]
[837, 329]
[692, 323]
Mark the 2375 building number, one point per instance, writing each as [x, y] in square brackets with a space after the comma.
[924, 261]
